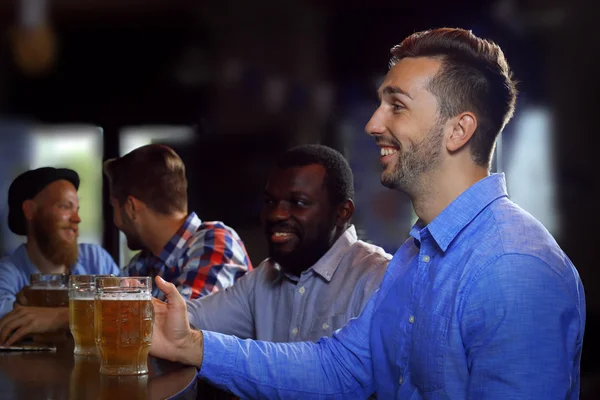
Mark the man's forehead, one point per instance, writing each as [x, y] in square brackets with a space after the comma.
[410, 75]
[297, 176]
[59, 189]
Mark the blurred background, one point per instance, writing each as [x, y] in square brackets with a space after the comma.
[231, 84]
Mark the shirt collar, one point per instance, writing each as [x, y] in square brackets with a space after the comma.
[328, 264]
[170, 253]
[446, 226]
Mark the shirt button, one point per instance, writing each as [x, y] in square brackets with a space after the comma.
[302, 290]
[411, 319]
[426, 258]
[325, 326]
[295, 331]
[401, 380]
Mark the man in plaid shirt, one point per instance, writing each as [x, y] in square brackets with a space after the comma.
[148, 193]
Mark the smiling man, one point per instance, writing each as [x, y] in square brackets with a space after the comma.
[43, 205]
[479, 303]
[318, 275]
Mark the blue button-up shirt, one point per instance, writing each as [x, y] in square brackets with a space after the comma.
[16, 269]
[480, 303]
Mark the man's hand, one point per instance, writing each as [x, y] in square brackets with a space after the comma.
[22, 321]
[172, 337]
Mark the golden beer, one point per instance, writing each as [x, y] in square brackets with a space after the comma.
[48, 290]
[81, 323]
[82, 289]
[47, 296]
[123, 325]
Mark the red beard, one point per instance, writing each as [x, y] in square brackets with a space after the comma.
[56, 249]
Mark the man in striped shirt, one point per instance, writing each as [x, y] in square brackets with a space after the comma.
[148, 193]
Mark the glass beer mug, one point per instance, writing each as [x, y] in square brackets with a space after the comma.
[123, 324]
[82, 289]
[48, 290]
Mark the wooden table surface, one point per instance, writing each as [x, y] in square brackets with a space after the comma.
[63, 375]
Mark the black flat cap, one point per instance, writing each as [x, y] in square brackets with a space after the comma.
[26, 186]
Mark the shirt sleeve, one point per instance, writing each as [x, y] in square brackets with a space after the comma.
[9, 287]
[227, 311]
[336, 367]
[522, 328]
[215, 262]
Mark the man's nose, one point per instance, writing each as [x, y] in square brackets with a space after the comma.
[375, 125]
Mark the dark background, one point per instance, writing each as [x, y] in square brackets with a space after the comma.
[208, 65]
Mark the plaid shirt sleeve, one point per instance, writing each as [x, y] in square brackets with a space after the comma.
[215, 260]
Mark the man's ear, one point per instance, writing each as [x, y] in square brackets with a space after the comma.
[29, 207]
[463, 129]
[133, 207]
[344, 212]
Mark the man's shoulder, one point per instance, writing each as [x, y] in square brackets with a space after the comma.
[13, 269]
[363, 262]
[361, 250]
[7, 263]
[212, 227]
[210, 232]
[14, 261]
[517, 232]
[509, 232]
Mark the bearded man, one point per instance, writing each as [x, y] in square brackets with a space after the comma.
[43, 205]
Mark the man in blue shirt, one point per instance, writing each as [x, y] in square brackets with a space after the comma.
[43, 206]
[479, 302]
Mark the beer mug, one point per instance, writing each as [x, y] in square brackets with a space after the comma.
[48, 290]
[123, 324]
[82, 289]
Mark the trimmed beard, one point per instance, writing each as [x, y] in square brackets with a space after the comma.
[412, 164]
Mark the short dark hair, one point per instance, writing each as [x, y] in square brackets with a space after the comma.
[474, 76]
[154, 173]
[339, 180]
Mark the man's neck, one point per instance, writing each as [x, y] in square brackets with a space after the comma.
[40, 261]
[162, 230]
[441, 189]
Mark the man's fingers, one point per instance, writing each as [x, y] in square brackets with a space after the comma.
[170, 291]
[11, 326]
[19, 334]
[6, 323]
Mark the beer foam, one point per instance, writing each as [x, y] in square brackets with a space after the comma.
[127, 296]
[81, 296]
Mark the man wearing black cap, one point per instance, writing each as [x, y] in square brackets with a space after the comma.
[43, 206]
